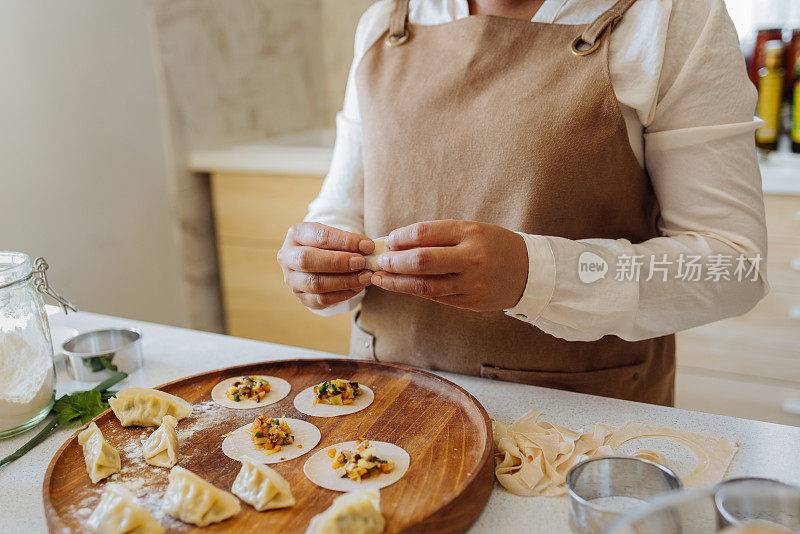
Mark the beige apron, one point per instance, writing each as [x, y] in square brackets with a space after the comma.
[508, 122]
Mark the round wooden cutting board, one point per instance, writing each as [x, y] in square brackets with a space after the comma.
[445, 430]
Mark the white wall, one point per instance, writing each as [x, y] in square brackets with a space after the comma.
[84, 169]
[749, 15]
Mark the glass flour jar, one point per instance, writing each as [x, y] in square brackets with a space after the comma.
[27, 373]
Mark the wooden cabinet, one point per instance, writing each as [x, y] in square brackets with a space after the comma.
[252, 213]
[749, 366]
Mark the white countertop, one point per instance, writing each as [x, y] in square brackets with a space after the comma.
[309, 153]
[767, 449]
[305, 153]
[780, 173]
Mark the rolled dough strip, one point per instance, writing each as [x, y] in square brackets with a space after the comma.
[532, 457]
[714, 455]
[653, 456]
[372, 259]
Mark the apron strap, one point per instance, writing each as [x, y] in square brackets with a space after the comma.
[398, 23]
[609, 18]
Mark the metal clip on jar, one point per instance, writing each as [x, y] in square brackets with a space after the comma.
[27, 382]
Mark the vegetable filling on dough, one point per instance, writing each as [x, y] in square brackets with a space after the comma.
[360, 464]
[248, 388]
[270, 434]
[337, 392]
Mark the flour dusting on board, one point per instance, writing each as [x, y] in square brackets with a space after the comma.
[146, 482]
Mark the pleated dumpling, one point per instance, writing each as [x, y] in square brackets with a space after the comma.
[193, 500]
[161, 447]
[357, 512]
[262, 487]
[102, 459]
[118, 513]
[146, 407]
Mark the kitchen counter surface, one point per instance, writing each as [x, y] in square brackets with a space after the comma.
[309, 153]
[305, 153]
[767, 450]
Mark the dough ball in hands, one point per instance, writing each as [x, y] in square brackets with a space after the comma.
[372, 259]
[357, 512]
[262, 487]
[118, 513]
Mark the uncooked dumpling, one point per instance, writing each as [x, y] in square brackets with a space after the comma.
[161, 448]
[102, 459]
[118, 513]
[262, 487]
[147, 407]
[193, 500]
[357, 512]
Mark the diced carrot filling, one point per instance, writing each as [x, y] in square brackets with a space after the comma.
[270, 434]
[360, 464]
[337, 392]
[248, 388]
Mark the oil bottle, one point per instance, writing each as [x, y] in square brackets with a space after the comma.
[770, 94]
[795, 133]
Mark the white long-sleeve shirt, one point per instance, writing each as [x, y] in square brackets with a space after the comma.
[688, 105]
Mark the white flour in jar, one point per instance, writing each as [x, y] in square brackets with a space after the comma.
[26, 379]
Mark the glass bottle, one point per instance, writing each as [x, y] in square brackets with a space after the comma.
[27, 373]
[770, 92]
[795, 132]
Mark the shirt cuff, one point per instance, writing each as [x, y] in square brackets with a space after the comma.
[541, 280]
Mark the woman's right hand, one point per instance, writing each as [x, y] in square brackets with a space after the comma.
[323, 265]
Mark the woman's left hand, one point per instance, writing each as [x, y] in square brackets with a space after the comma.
[472, 265]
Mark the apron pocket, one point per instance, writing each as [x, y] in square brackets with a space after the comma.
[362, 343]
[624, 381]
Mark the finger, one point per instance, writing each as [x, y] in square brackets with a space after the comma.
[326, 283]
[421, 286]
[423, 260]
[426, 234]
[324, 300]
[317, 260]
[327, 237]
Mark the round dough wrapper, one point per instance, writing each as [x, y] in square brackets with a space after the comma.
[304, 402]
[239, 445]
[319, 471]
[278, 389]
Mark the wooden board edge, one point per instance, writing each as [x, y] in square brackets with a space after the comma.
[51, 516]
[54, 523]
[454, 517]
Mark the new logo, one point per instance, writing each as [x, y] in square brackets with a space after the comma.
[591, 267]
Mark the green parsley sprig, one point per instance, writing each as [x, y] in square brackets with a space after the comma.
[83, 405]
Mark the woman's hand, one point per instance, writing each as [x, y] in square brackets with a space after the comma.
[323, 265]
[471, 265]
